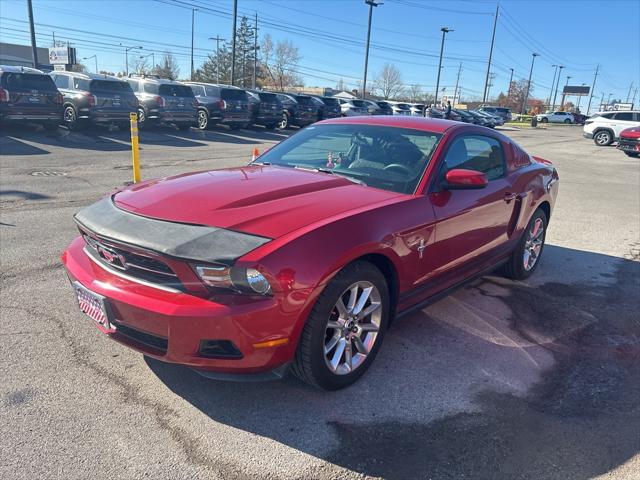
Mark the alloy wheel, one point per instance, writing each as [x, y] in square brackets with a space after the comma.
[202, 119]
[533, 244]
[602, 138]
[69, 116]
[352, 328]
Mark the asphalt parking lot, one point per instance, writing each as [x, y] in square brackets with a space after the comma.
[501, 380]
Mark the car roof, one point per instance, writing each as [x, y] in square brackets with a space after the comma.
[91, 76]
[153, 80]
[207, 84]
[417, 123]
[19, 69]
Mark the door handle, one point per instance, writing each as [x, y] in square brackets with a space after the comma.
[508, 197]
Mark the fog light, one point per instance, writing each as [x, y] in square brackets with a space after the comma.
[219, 349]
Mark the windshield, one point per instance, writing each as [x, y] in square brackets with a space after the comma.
[379, 156]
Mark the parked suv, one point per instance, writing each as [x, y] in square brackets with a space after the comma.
[29, 95]
[503, 112]
[220, 104]
[555, 117]
[353, 108]
[385, 108]
[297, 110]
[265, 108]
[605, 127]
[330, 107]
[94, 98]
[162, 101]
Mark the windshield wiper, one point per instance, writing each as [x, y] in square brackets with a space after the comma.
[338, 174]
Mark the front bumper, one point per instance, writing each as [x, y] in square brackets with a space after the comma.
[629, 145]
[169, 326]
[587, 135]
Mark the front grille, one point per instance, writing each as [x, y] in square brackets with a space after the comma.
[133, 264]
[150, 340]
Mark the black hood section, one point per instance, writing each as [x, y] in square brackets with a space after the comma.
[191, 242]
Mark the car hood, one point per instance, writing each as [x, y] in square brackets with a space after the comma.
[267, 201]
[633, 132]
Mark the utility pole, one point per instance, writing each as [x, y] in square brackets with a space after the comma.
[371, 3]
[455, 90]
[444, 31]
[54, 38]
[564, 94]
[233, 43]
[218, 40]
[34, 49]
[493, 37]
[555, 95]
[255, 52]
[593, 89]
[193, 14]
[510, 82]
[601, 101]
[629, 94]
[526, 96]
[553, 82]
[492, 77]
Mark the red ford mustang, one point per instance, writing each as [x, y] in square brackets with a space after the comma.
[301, 260]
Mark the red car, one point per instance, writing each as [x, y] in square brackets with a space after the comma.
[629, 141]
[301, 260]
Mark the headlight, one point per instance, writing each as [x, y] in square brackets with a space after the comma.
[242, 280]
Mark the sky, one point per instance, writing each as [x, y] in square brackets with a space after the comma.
[331, 34]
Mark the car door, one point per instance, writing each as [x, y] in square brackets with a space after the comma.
[472, 225]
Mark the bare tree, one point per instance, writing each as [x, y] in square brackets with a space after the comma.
[138, 65]
[280, 61]
[415, 92]
[341, 85]
[388, 83]
[168, 67]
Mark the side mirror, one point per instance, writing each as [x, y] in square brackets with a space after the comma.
[463, 179]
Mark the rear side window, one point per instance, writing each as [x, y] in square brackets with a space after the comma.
[268, 97]
[110, 86]
[476, 152]
[359, 103]
[28, 81]
[302, 100]
[197, 90]
[62, 81]
[212, 91]
[171, 90]
[628, 116]
[80, 84]
[233, 94]
[331, 101]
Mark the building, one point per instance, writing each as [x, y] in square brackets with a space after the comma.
[20, 55]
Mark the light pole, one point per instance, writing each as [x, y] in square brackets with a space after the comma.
[609, 100]
[153, 59]
[580, 98]
[371, 3]
[444, 31]
[193, 15]
[564, 94]
[553, 82]
[126, 56]
[233, 42]
[95, 57]
[526, 96]
[217, 40]
[555, 95]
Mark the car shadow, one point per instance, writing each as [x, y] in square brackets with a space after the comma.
[11, 145]
[537, 379]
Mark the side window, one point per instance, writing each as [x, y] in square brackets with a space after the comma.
[212, 91]
[608, 116]
[636, 117]
[628, 116]
[134, 85]
[62, 81]
[476, 152]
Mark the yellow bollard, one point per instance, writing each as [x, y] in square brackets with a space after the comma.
[135, 153]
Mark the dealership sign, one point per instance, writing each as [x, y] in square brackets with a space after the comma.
[576, 90]
[59, 55]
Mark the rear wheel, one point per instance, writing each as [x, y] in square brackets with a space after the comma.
[284, 123]
[603, 138]
[203, 120]
[345, 328]
[70, 118]
[142, 119]
[525, 258]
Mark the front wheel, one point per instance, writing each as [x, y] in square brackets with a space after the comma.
[567, 121]
[203, 120]
[603, 138]
[284, 123]
[544, 120]
[345, 328]
[526, 256]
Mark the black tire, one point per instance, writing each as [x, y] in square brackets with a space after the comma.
[285, 122]
[632, 154]
[603, 138]
[514, 268]
[70, 118]
[567, 121]
[544, 120]
[202, 119]
[142, 119]
[309, 364]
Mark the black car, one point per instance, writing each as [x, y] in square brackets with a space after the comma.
[221, 104]
[95, 98]
[29, 95]
[466, 117]
[329, 108]
[266, 109]
[298, 110]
